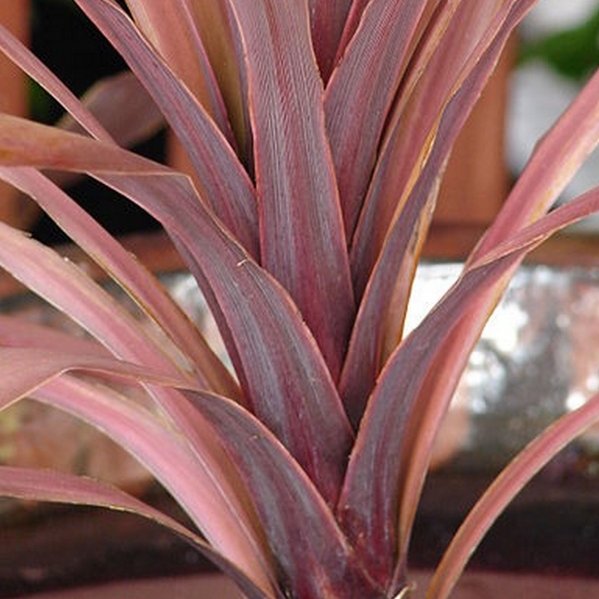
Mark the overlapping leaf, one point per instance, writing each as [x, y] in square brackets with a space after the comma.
[300, 527]
[301, 237]
[44, 485]
[224, 184]
[381, 302]
[383, 440]
[284, 375]
[220, 37]
[172, 30]
[30, 64]
[23, 370]
[327, 21]
[561, 160]
[365, 83]
[130, 274]
[204, 485]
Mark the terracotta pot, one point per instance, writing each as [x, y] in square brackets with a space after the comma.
[207, 586]
[15, 209]
[477, 585]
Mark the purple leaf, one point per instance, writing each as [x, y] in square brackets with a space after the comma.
[328, 19]
[292, 392]
[123, 107]
[360, 95]
[299, 525]
[30, 64]
[564, 147]
[220, 37]
[384, 300]
[397, 409]
[63, 285]
[172, 30]
[301, 232]
[140, 284]
[202, 479]
[24, 370]
[224, 184]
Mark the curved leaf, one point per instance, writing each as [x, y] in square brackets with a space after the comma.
[503, 490]
[23, 370]
[285, 388]
[45, 485]
[395, 410]
[565, 147]
[370, 345]
[299, 525]
[30, 64]
[67, 288]
[224, 184]
[17, 331]
[554, 161]
[204, 484]
[301, 231]
[123, 107]
[140, 284]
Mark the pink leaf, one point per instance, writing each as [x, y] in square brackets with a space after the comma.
[224, 184]
[24, 370]
[140, 284]
[172, 30]
[397, 410]
[202, 480]
[45, 485]
[300, 527]
[503, 490]
[361, 92]
[292, 392]
[393, 241]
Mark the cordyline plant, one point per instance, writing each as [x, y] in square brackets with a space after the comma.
[317, 133]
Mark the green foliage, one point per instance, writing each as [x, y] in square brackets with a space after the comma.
[574, 53]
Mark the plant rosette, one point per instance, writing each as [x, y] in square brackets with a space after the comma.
[317, 133]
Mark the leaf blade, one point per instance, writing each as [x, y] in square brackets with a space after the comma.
[251, 303]
[301, 233]
[200, 478]
[128, 273]
[43, 485]
[284, 497]
[365, 83]
[224, 184]
[172, 30]
[391, 424]
[503, 490]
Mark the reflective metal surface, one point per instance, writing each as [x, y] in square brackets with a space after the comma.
[538, 358]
